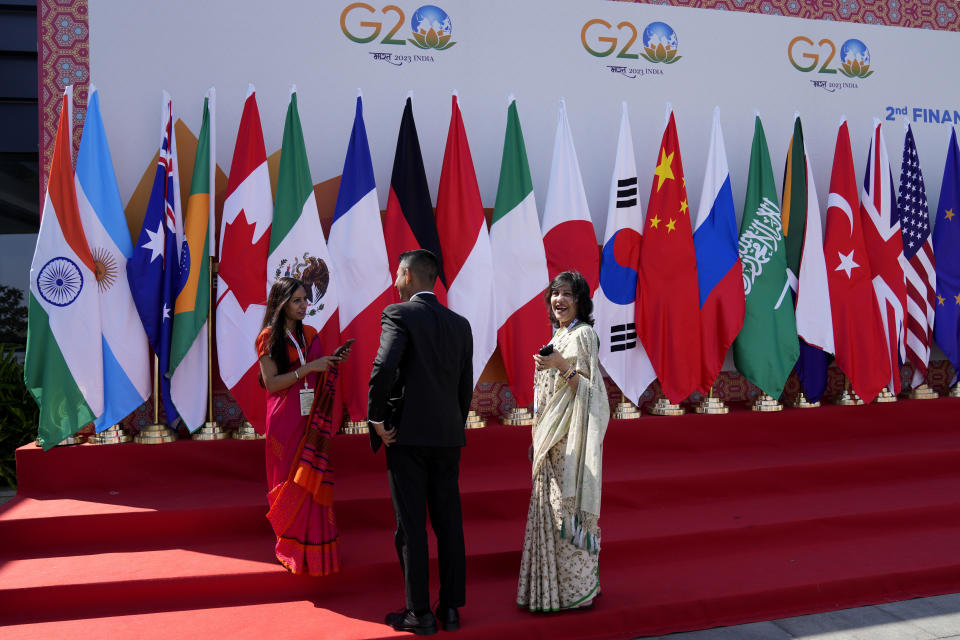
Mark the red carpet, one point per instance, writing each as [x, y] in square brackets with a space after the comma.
[707, 520]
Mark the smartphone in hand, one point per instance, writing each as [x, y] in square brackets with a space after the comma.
[346, 345]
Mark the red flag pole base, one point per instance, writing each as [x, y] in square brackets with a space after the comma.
[923, 392]
[766, 403]
[886, 396]
[114, 435]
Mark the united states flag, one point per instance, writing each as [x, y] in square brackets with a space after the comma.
[919, 264]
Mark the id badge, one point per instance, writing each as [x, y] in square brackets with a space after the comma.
[306, 401]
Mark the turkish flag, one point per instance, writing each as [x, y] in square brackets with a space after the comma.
[859, 340]
[668, 307]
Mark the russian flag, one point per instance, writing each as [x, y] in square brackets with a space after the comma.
[719, 272]
[360, 265]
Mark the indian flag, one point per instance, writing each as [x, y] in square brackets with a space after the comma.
[188, 347]
[64, 362]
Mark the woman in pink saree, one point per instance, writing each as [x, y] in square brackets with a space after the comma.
[301, 384]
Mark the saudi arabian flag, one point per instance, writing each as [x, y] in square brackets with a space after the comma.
[297, 245]
[767, 347]
[188, 346]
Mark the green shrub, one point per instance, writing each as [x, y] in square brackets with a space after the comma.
[18, 413]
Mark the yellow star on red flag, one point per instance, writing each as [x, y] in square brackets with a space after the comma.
[664, 170]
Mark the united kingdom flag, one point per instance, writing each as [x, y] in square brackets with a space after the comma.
[919, 266]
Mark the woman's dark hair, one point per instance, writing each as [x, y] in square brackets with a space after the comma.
[274, 318]
[581, 293]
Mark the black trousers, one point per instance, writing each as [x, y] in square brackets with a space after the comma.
[421, 479]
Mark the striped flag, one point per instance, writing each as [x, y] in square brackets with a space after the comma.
[462, 228]
[242, 274]
[946, 249]
[154, 269]
[64, 363]
[857, 328]
[519, 265]
[569, 239]
[719, 271]
[668, 313]
[409, 222]
[188, 370]
[884, 244]
[806, 268]
[919, 265]
[360, 265]
[126, 356]
[621, 353]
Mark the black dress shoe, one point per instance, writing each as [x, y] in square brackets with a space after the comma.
[448, 617]
[406, 620]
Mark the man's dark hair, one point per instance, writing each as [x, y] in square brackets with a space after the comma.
[422, 264]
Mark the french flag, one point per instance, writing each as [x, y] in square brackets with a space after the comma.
[719, 272]
[360, 263]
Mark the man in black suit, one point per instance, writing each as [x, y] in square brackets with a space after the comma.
[420, 391]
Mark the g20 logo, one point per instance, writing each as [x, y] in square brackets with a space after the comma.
[659, 40]
[854, 56]
[431, 27]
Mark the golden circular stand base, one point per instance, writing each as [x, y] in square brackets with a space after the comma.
[766, 403]
[155, 434]
[801, 402]
[518, 417]
[955, 391]
[114, 435]
[247, 432]
[664, 407]
[626, 410]
[355, 427]
[712, 406]
[77, 438]
[475, 421]
[210, 431]
[923, 392]
[848, 398]
[885, 396]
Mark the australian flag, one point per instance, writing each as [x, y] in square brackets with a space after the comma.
[154, 270]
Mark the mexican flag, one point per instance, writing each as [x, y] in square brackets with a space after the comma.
[519, 265]
[767, 347]
[188, 345]
[64, 362]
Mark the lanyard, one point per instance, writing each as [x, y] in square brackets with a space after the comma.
[296, 345]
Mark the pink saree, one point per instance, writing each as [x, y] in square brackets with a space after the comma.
[300, 477]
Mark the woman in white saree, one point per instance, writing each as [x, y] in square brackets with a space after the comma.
[559, 568]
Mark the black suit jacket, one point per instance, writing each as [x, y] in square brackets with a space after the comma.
[422, 378]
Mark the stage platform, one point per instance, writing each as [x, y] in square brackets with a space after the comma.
[707, 520]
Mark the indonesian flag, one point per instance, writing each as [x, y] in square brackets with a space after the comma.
[719, 271]
[462, 229]
[520, 266]
[884, 243]
[360, 264]
[64, 362]
[668, 313]
[569, 239]
[859, 339]
[621, 354]
[409, 221]
[242, 275]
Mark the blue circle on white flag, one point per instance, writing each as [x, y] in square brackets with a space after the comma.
[60, 281]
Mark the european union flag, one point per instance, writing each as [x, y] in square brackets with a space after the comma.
[154, 269]
[946, 252]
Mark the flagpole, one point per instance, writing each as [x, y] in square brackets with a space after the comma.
[158, 432]
[211, 429]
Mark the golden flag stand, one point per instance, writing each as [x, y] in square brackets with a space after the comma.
[712, 405]
[849, 397]
[158, 432]
[625, 409]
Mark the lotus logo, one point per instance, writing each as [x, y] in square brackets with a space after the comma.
[855, 59]
[660, 43]
[432, 28]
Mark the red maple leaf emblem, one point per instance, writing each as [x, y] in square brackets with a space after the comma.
[243, 263]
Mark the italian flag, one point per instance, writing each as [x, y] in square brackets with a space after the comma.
[188, 346]
[64, 361]
[519, 265]
[297, 245]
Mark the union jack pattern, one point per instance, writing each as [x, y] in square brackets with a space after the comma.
[919, 266]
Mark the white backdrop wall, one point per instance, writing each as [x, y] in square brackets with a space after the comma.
[535, 49]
